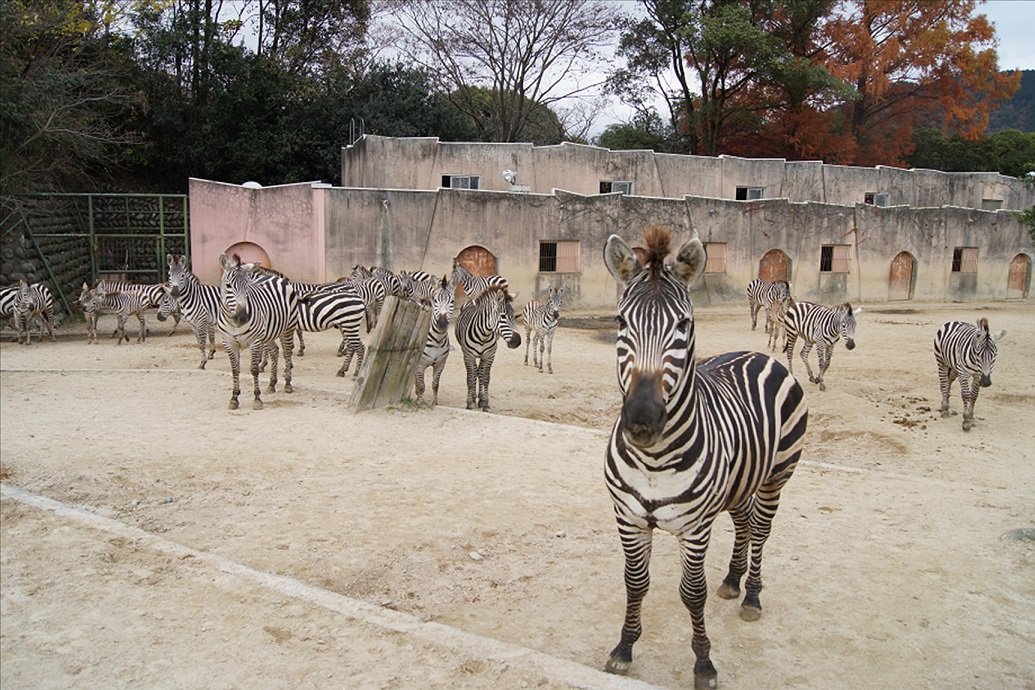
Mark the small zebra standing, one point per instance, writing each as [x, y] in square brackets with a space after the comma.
[966, 352]
[96, 302]
[542, 318]
[693, 439]
[197, 301]
[436, 347]
[820, 326]
[33, 303]
[762, 294]
[482, 320]
[151, 295]
[778, 326]
[255, 311]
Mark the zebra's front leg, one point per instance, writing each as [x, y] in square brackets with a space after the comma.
[199, 335]
[142, 334]
[693, 591]
[418, 383]
[549, 352]
[288, 341]
[436, 376]
[528, 344]
[484, 373]
[636, 545]
[754, 314]
[805, 351]
[121, 328]
[235, 368]
[471, 365]
[824, 353]
[301, 344]
[730, 587]
[274, 354]
[968, 392]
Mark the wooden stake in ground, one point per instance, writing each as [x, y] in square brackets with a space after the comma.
[395, 347]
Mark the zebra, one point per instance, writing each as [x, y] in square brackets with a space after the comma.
[966, 352]
[255, 311]
[693, 439]
[778, 324]
[33, 303]
[419, 286]
[762, 294]
[7, 297]
[820, 326]
[97, 301]
[436, 347]
[320, 310]
[373, 293]
[151, 294]
[197, 301]
[482, 320]
[473, 284]
[542, 319]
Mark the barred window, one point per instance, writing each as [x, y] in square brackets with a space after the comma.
[750, 193]
[460, 181]
[611, 186]
[877, 198]
[835, 258]
[964, 260]
[559, 256]
[716, 257]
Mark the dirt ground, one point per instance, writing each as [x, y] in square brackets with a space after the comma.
[153, 539]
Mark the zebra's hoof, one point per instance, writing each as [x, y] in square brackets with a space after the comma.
[233, 405]
[822, 386]
[967, 424]
[619, 667]
[341, 373]
[945, 412]
[750, 613]
[257, 404]
[728, 591]
[288, 388]
[202, 365]
[703, 681]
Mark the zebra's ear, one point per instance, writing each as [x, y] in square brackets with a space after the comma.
[169, 259]
[690, 261]
[996, 337]
[224, 261]
[620, 259]
[856, 312]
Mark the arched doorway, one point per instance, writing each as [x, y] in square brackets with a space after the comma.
[250, 253]
[479, 261]
[902, 279]
[1019, 278]
[775, 265]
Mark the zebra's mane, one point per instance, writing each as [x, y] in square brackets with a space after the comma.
[659, 242]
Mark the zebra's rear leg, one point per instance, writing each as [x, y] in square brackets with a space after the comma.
[766, 503]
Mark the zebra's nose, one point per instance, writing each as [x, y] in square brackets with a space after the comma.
[514, 342]
[643, 413]
[240, 316]
[849, 343]
[175, 292]
[986, 380]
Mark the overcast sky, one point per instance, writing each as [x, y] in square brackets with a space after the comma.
[1015, 26]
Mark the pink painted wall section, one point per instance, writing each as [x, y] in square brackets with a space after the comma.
[286, 221]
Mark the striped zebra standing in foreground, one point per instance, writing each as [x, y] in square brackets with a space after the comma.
[342, 308]
[820, 326]
[255, 311]
[482, 321]
[197, 301]
[541, 318]
[97, 302]
[33, 303]
[762, 294]
[693, 439]
[966, 352]
[436, 347]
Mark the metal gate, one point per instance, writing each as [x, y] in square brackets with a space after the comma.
[83, 237]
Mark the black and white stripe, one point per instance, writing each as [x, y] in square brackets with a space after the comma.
[967, 352]
[197, 301]
[821, 326]
[340, 308]
[151, 295]
[7, 296]
[481, 322]
[419, 286]
[436, 347]
[762, 294]
[97, 302]
[372, 292]
[472, 284]
[256, 310]
[693, 439]
[33, 303]
[541, 319]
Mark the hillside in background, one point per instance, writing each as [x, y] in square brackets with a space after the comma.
[1019, 112]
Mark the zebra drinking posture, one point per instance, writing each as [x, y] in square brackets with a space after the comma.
[256, 309]
[197, 301]
[693, 439]
[820, 326]
[762, 294]
[482, 320]
[436, 347]
[542, 319]
[966, 352]
[97, 301]
[33, 303]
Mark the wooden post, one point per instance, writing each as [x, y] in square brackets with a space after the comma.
[395, 348]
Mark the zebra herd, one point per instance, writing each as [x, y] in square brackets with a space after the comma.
[694, 439]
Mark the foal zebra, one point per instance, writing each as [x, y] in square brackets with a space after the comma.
[966, 352]
[820, 326]
[693, 439]
[33, 302]
[197, 301]
[436, 347]
[255, 311]
[542, 318]
[97, 301]
[151, 295]
[482, 320]
[762, 294]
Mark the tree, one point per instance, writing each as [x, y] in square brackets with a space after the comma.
[1009, 152]
[913, 62]
[528, 54]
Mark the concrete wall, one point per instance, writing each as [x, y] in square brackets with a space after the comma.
[287, 221]
[420, 163]
[313, 232]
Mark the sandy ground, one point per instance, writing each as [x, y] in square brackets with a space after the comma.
[153, 539]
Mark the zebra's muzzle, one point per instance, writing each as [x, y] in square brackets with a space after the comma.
[985, 381]
[514, 342]
[849, 344]
[175, 291]
[240, 316]
[643, 412]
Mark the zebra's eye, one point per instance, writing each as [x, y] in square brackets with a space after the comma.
[620, 321]
[683, 325]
